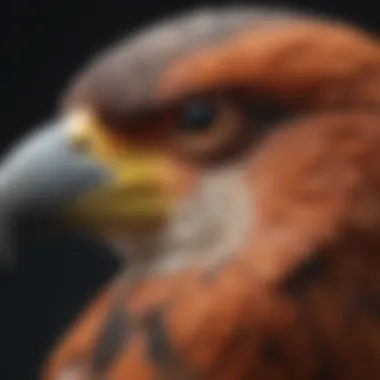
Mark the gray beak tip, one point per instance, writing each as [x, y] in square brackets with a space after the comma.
[38, 174]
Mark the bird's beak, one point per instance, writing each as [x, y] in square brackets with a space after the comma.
[73, 168]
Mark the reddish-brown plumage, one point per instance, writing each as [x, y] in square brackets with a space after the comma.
[307, 64]
[302, 300]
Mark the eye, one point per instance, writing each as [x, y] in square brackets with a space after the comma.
[210, 129]
[198, 116]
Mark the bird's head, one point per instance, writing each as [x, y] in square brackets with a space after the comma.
[157, 139]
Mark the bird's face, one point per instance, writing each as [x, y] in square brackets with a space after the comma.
[157, 137]
[164, 184]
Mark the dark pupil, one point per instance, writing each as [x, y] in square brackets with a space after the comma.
[198, 116]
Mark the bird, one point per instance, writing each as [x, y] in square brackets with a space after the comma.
[229, 158]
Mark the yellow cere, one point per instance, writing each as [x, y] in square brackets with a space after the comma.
[140, 188]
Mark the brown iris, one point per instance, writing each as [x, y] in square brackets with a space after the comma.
[208, 128]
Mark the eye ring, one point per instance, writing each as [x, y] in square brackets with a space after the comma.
[215, 134]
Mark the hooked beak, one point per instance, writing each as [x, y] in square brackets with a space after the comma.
[73, 169]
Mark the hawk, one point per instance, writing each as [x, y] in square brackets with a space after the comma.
[228, 157]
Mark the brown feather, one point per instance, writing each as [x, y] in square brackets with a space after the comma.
[123, 80]
[302, 301]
